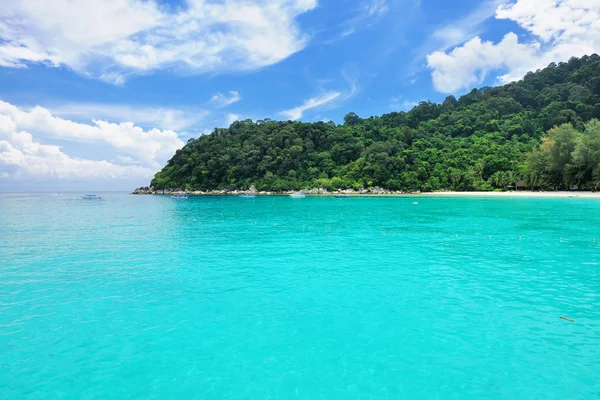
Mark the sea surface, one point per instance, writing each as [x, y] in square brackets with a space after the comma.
[146, 297]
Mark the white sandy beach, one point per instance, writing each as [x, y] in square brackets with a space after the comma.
[515, 193]
[587, 195]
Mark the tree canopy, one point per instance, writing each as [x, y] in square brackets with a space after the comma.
[540, 130]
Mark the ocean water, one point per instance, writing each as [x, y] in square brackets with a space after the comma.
[146, 297]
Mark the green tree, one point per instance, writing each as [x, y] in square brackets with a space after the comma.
[540, 129]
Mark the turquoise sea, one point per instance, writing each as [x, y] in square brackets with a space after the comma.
[146, 297]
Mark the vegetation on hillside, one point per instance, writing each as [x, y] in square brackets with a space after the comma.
[567, 158]
[540, 130]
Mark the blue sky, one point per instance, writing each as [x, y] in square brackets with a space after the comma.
[100, 94]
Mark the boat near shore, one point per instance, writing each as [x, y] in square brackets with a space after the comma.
[298, 195]
[91, 197]
[179, 196]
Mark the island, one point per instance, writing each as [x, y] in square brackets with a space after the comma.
[540, 133]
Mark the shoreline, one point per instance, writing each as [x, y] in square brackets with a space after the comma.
[449, 194]
[524, 193]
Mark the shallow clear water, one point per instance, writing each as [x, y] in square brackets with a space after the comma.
[315, 298]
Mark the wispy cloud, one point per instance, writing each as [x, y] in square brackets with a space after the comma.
[456, 32]
[314, 102]
[142, 36]
[402, 105]
[152, 117]
[365, 15]
[325, 100]
[376, 8]
[220, 100]
[231, 118]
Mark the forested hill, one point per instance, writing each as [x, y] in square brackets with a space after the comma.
[489, 138]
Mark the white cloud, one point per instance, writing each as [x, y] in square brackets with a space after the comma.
[221, 100]
[408, 105]
[468, 65]
[153, 117]
[405, 105]
[231, 118]
[446, 36]
[364, 16]
[376, 8]
[22, 157]
[559, 29]
[554, 19]
[110, 39]
[328, 100]
[24, 152]
[314, 102]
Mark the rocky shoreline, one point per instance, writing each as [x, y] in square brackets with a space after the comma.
[320, 191]
[376, 191]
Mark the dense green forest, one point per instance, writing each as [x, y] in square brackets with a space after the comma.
[540, 132]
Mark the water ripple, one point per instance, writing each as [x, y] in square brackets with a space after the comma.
[144, 297]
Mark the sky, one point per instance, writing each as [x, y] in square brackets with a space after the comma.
[99, 95]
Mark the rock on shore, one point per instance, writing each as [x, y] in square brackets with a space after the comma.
[314, 191]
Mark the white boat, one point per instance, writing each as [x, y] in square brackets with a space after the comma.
[91, 197]
[178, 196]
[248, 195]
[298, 195]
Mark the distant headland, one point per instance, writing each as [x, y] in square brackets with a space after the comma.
[540, 133]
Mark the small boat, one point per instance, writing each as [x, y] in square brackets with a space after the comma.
[91, 197]
[178, 196]
[415, 202]
[248, 195]
[298, 195]
[341, 196]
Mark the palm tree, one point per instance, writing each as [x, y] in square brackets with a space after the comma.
[534, 179]
[480, 166]
[502, 179]
[455, 176]
[511, 178]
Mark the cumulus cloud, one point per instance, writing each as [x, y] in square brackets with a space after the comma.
[554, 19]
[113, 38]
[221, 100]
[21, 157]
[468, 65]
[559, 29]
[24, 151]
